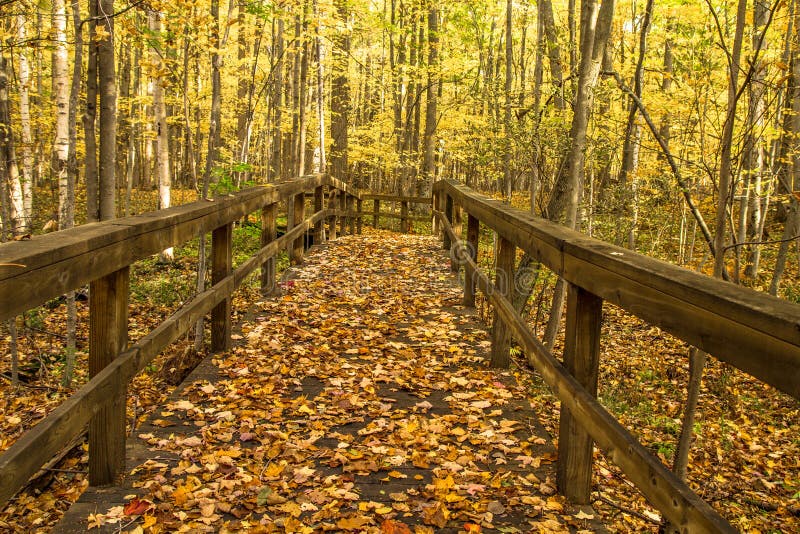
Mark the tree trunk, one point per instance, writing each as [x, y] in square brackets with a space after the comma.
[323, 164]
[12, 198]
[595, 30]
[211, 155]
[756, 152]
[276, 153]
[508, 156]
[26, 174]
[340, 94]
[108, 113]
[67, 217]
[89, 120]
[431, 101]
[163, 175]
[726, 143]
[628, 170]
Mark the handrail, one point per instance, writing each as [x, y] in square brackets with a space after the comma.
[103, 253]
[47, 266]
[756, 332]
[665, 490]
[405, 218]
[753, 331]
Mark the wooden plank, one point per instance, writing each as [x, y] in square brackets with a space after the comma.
[351, 218]
[296, 256]
[473, 234]
[221, 262]
[405, 225]
[504, 284]
[457, 228]
[319, 229]
[448, 214]
[343, 208]
[581, 360]
[268, 234]
[376, 208]
[108, 337]
[397, 198]
[390, 215]
[760, 354]
[359, 206]
[333, 219]
[436, 200]
[661, 487]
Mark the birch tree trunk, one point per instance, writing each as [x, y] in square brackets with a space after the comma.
[163, 175]
[67, 217]
[26, 174]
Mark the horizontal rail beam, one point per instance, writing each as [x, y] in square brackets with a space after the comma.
[753, 331]
[396, 198]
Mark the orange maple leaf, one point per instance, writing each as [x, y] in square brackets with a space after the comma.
[390, 526]
[137, 506]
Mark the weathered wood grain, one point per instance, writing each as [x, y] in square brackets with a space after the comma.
[581, 360]
[753, 331]
[221, 262]
[661, 487]
[108, 337]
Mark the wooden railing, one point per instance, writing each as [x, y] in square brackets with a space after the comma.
[403, 215]
[99, 254]
[753, 331]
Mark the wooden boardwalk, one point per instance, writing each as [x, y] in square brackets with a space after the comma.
[356, 400]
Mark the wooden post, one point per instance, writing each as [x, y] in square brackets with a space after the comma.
[333, 221]
[359, 208]
[351, 218]
[435, 202]
[221, 248]
[581, 358]
[376, 206]
[504, 285]
[343, 207]
[319, 228]
[473, 234]
[297, 217]
[108, 337]
[404, 226]
[268, 234]
[457, 229]
[448, 213]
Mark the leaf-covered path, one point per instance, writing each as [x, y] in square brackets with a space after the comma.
[357, 400]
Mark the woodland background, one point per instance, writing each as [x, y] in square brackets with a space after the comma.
[669, 127]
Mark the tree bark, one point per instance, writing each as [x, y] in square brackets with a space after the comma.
[431, 101]
[163, 175]
[595, 30]
[340, 94]
[726, 143]
[108, 111]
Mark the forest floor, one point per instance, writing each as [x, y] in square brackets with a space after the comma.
[744, 459]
